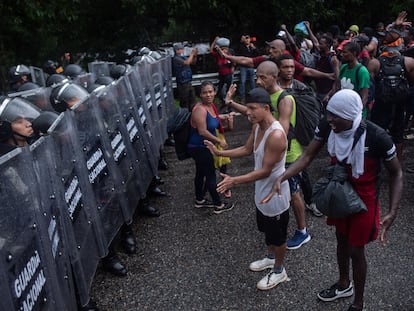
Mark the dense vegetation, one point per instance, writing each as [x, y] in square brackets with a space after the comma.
[32, 31]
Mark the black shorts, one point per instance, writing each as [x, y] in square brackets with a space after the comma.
[274, 228]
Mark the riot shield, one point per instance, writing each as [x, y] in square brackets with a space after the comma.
[84, 80]
[132, 82]
[39, 97]
[141, 147]
[166, 65]
[60, 234]
[29, 280]
[85, 225]
[38, 76]
[99, 68]
[148, 97]
[103, 173]
[112, 128]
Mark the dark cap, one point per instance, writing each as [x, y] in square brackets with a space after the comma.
[259, 95]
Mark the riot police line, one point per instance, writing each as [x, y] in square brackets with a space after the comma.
[66, 195]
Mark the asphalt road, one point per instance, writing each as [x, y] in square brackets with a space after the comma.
[191, 259]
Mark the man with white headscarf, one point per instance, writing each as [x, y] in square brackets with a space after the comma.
[363, 162]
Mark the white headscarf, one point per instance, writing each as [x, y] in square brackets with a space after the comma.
[347, 104]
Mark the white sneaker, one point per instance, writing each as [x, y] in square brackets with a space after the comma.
[312, 207]
[262, 264]
[272, 279]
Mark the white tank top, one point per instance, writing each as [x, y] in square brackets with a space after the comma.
[278, 204]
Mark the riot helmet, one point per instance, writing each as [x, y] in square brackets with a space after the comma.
[95, 88]
[118, 71]
[50, 67]
[73, 70]
[42, 123]
[104, 80]
[18, 75]
[55, 79]
[67, 95]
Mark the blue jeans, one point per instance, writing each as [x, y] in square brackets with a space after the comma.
[246, 75]
[205, 177]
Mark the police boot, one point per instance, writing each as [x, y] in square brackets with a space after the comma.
[113, 264]
[153, 189]
[162, 163]
[90, 306]
[128, 242]
[144, 208]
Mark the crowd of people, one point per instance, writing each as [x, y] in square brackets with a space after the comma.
[362, 78]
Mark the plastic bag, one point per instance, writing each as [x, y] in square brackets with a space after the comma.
[334, 195]
[220, 161]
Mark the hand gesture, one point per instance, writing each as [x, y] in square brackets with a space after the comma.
[230, 93]
[225, 184]
[275, 190]
[210, 146]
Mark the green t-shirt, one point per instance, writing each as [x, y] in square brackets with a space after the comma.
[295, 150]
[349, 79]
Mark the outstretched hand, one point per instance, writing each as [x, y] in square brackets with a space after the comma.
[275, 191]
[225, 184]
[213, 149]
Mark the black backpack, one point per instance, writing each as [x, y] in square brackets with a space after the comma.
[308, 112]
[179, 125]
[392, 84]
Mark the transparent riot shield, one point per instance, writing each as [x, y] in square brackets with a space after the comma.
[99, 68]
[83, 211]
[112, 129]
[29, 280]
[103, 172]
[135, 123]
[39, 97]
[144, 112]
[38, 76]
[146, 88]
[53, 209]
[156, 75]
[166, 65]
[85, 80]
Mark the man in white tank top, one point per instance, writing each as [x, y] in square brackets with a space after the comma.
[268, 143]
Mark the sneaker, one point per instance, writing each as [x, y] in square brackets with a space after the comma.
[262, 264]
[298, 240]
[335, 292]
[272, 279]
[312, 207]
[353, 308]
[203, 203]
[223, 208]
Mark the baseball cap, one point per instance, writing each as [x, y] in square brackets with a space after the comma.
[354, 28]
[223, 42]
[259, 95]
[178, 46]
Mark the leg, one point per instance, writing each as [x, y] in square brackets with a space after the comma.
[359, 273]
[301, 235]
[343, 254]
